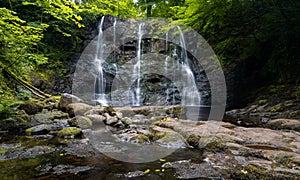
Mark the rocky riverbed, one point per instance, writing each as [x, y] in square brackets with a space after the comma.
[55, 140]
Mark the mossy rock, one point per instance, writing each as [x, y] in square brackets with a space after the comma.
[216, 145]
[2, 151]
[276, 108]
[193, 140]
[140, 138]
[127, 121]
[110, 110]
[164, 119]
[81, 121]
[69, 132]
[39, 129]
[15, 122]
[32, 106]
[172, 140]
[48, 116]
[76, 109]
[176, 111]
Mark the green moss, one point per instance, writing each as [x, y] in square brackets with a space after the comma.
[164, 119]
[176, 111]
[110, 110]
[193, 140]
[216, 145]
[276, 108]
[283, 159]
[277, 90]
[262, 101]
[126, 121]
[296, 93]
[141, 138]
[251, 172]
[2, 151]
[69, 132]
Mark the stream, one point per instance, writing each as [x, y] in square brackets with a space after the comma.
[29, 158]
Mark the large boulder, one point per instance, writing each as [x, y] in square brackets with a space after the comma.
[76, 109]
[81, 121]
[48, 116]
[67, 99]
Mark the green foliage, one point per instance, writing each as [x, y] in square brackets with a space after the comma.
[23, 94]
[263, 35]
[296, 93]
[158, 8]
[58, 13]
[262, 101]
[18, 42]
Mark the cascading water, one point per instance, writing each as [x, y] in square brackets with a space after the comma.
[114, 40]
[100, 95]
[190, 92]
[175, 65]
[137, 68]
[167, 57]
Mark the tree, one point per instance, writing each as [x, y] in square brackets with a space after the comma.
[18, 42]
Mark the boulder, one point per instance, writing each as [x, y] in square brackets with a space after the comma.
[96, 118]
[76, 109]
[110, 120]
[168, 138]
[67, 99]
[39, 129]
[15, 122]
[96, 110]
[49, 116]
[81, 121]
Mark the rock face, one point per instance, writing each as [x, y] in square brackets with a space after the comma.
[262, 111]
[288, 124]
[251, 150]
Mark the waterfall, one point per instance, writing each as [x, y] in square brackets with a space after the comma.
[190, 92]
[166, 66]
[114, 40]
[100, 95]
[175, 65]
[167, 57]
[137, 68]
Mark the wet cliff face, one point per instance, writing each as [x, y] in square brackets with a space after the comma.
[153, 87]
[161, 61]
